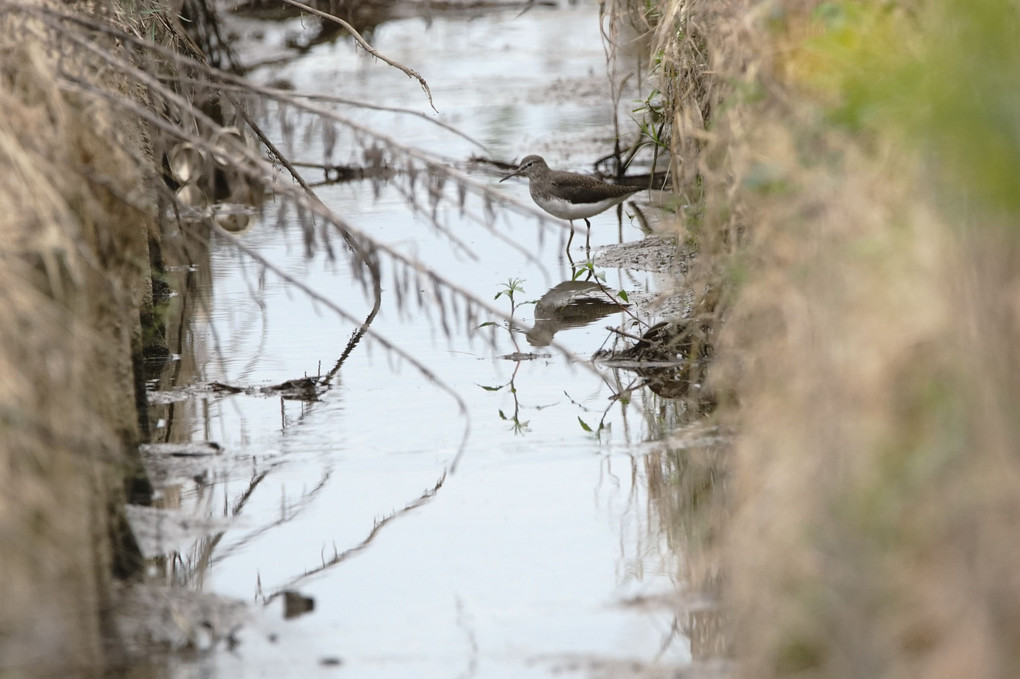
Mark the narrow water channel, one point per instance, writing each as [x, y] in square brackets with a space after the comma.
[543, 554]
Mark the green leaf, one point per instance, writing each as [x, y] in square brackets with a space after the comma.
[623, 295]
[584, 425]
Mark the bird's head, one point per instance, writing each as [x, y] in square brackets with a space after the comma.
[528, 167]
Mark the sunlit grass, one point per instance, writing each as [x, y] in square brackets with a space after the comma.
[941, 75]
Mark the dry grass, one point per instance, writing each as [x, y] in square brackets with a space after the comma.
[73, 265]
[869, 343]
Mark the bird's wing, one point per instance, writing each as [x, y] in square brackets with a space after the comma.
[578, 188]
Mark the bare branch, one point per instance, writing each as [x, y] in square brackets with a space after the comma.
[411, 73]
[340, 557]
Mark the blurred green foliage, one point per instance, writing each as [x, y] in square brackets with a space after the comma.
[945, 74]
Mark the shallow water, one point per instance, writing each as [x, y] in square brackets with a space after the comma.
[543, 553]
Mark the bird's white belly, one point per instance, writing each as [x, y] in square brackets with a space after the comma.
[564, 209]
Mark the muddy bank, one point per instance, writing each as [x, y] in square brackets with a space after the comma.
[74, 283]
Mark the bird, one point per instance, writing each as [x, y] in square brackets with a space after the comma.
[569, 195]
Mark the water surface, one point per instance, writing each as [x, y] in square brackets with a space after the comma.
[529, 559]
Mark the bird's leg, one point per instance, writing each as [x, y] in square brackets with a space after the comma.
[587, 238]
[571, 238]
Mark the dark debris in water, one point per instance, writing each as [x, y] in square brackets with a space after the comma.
[671, 356]
[523, 356]
[225, 388]
[296, 604]
[299, 389]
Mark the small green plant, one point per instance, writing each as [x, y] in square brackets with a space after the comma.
[650, 121]
[511, 290]
[512, 287]
[588, 428]
[588, 268]
[598, 429]
[517, 426]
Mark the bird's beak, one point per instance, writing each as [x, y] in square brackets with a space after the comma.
[512, 174]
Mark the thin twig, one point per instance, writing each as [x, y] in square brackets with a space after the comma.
[340, 557]
[368, 48]
[345, 101]
[363, 257]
